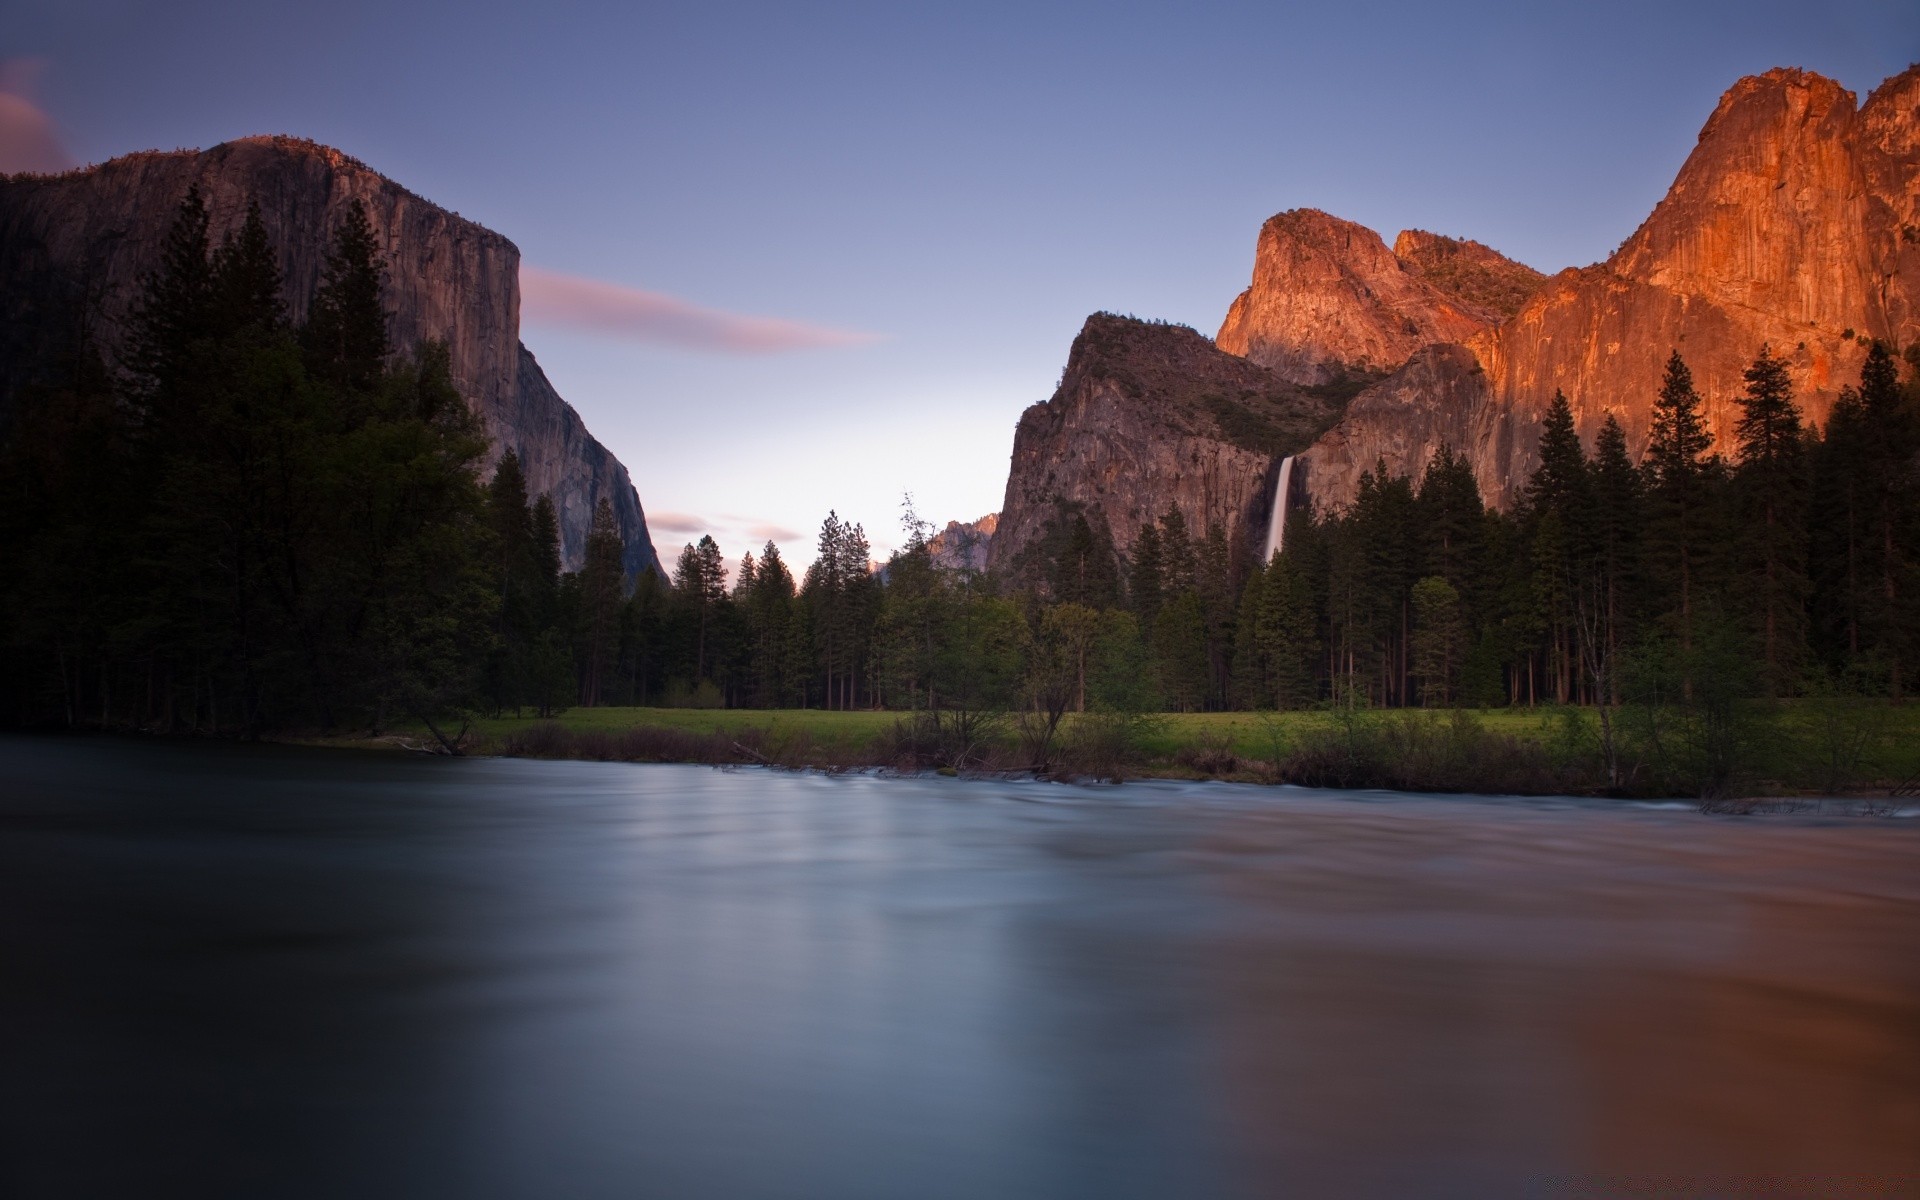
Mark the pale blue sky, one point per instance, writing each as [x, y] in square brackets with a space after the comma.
[966, 181]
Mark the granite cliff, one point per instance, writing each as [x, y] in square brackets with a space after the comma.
[1795, 222]
[964, 545]
[1148, 416]
[74, 247]
[1330, 301]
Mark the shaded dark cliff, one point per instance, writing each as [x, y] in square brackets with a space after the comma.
[74, 248]
[1149, 416]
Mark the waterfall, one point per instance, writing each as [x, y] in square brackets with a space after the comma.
[1277, 523]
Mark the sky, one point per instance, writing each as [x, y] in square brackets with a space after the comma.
[786, 258]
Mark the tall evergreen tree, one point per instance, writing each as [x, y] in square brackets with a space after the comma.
[601, 595]
[346, 333]
[1146, 578]
[1773, 493]
[246, 282]
[1681, 481]
[175, 313]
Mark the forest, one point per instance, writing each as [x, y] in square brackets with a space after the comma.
[253, 526]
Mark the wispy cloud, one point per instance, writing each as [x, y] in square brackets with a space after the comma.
[554, 298]
[673, 522]
[28, 141]
[773, 533]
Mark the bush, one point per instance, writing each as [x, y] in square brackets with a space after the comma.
[1413, 751]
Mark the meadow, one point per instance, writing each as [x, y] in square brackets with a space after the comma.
[1798, 747]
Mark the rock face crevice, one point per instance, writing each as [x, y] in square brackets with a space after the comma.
[74, 248]
[1794, 223]
[1151, 416]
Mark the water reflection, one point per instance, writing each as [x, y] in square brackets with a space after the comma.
[273, 972]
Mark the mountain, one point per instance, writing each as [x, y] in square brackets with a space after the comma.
[964, 545]
[1794, 223]
[1330, 301]
[74, 248]
[1147, 416]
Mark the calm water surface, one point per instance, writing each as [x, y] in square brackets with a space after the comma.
[272, 972]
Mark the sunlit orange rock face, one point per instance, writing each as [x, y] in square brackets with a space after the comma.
[1330, 300]
[1794, 223]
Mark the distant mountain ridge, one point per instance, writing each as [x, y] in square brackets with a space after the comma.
[75, 246]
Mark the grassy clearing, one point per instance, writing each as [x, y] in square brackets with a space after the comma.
[1801, 747]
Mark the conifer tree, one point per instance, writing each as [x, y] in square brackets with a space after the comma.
[1176, 555]
[346, 332]
[600, 601]
[1680, 478]
[175, 313]
[1438, 639]
[1773, 492]
[1287, 627]
[1893, 482]
[246, 283]
[1451, 515]
[1145, 582]
[1617, 521]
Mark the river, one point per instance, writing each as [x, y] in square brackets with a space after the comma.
[270, 971]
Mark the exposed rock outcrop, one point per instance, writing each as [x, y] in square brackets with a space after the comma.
[964, 545]
[1795, 222]
[1149, 416]
[74, 247]
[1329, 300]
[1486, 284]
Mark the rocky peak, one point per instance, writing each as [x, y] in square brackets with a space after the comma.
[1150, 416]
[1794, 223]
[1329, 300]
[1485, 283]
[964, 545]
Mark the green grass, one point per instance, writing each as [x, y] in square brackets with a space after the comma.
[1788, 754]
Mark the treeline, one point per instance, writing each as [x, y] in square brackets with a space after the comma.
[256, 525]
[1790, 568]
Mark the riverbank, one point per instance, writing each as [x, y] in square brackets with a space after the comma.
[1797, 749]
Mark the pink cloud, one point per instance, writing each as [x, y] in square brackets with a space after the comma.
[28, 141]
[673, 522]
[773, 533]
[554, 298]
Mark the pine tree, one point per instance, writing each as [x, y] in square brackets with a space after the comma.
[600, 600]
[1287, 632]
[1213, 578]
[1145, 582]
[346, 332]
[1560, 510]
[1176, 555]
[515, 578]
[246, 281]
[1451, 515]
[175, 313]
[1772, 484]
[1438, 639]
[1618, 519]
[1680, 478]
[1893, 485]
